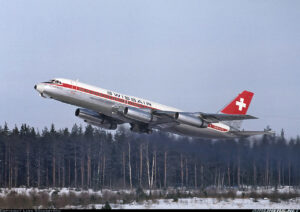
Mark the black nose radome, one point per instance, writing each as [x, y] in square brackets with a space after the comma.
[35, 87]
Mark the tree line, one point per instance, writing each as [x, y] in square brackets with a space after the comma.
[93, 158]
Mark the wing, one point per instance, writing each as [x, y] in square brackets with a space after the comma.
[165, 119]
[144, 117]
[212, 117]
[207, 117]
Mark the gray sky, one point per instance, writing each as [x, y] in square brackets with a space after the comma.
[193, 55]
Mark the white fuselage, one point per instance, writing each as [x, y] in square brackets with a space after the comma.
[103, 101]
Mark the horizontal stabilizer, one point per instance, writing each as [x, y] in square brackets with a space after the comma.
[251, 133]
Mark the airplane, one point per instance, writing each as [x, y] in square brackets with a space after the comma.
[108, 109]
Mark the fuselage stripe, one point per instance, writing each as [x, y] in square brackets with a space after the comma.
[217, 128]
[113, 98]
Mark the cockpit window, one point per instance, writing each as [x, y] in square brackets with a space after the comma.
[54, 82]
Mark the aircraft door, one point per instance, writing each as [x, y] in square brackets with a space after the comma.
[73, 87]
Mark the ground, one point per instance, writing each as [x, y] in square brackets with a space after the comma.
[54, 196]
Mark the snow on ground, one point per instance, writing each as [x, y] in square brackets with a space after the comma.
[183, 203]
[60, 191]
[208, 203]
[27, 191]
[245, 189]
[280, 189]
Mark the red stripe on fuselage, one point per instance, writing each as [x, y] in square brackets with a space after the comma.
[217, 128]
[105, 96]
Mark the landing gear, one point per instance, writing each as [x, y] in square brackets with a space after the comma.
[140, 128]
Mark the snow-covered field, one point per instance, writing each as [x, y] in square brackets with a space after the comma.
[208, 203]
[183, 203]
[24, 190]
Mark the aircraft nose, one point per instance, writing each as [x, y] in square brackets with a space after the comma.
[39, 87]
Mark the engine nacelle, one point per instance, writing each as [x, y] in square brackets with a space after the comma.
[138, 114]
[89, 115]
[94, 118]
[190, 120]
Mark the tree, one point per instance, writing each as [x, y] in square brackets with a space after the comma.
[93, 158]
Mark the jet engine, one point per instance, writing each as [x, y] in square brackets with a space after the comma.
[94, 118]
[138, 114]
[190, 120]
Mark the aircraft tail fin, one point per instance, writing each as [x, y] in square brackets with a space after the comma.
[238, 106]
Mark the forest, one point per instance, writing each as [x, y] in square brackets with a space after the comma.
[87, 157]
